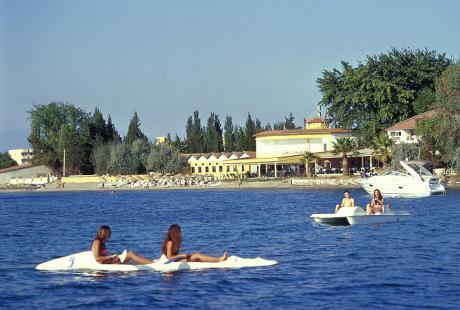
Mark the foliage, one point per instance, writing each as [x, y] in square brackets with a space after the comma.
[134, 130]
[122, 160]
[213, 141]
[140, 150]
[229, 136]
[307, 158]
[381, 145]
[6, 161]
[100, 158]
[288, 123]
[403, 151]
[240, 139]
[250, 131]
[194, 134]
[440, 135]
[55, 127]
[344, 146]
[111, 131]
[165, 159]
[424, 101]
[379, 92]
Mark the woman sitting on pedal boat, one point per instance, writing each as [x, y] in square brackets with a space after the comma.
[347, 201]
[100, 252]
[171, 247]
[377, 203]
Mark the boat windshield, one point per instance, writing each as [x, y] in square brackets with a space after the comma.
[422, 171]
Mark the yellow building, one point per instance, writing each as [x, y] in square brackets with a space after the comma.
[216, 164]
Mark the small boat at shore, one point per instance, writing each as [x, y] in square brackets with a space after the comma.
[357, 216]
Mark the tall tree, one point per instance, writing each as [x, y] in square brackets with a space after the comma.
[229, 136]
[112, 133]
[134, 130]
[344, 146]
[213, 135]
[194, 134]
[380, 91]
[440, 135]
[250, 131]
[240, 139]
[289, 122]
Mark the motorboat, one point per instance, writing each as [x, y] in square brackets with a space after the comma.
[414, 180]
[357, 216]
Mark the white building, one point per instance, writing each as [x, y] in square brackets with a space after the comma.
[404, 132]
[22, 156]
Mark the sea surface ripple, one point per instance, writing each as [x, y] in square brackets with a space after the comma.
[409, 265]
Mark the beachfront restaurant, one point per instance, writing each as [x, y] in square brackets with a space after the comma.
[279, 152]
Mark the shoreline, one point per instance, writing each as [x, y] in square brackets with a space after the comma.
[301, 183]
[225, 185]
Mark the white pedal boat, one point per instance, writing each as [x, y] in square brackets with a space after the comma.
[85, 261]
[357, 215]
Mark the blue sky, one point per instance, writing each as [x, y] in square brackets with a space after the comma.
[165, 59]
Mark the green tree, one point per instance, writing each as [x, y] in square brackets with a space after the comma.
[122, 160]
[344, 146]
[229, 136]
[57, 126]
[165, 159]
[379, 92]
[240, 139]
[307, 158]
[140, 150]
[112, 133]
[178, 144]
[250, 131]
[424, 101]
[213, 141]
[289, 122]
[194, 134]
[100, 158]
[381, 145]
[6, 161]
[134, 130]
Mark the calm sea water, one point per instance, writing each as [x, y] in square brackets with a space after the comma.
[413, 264]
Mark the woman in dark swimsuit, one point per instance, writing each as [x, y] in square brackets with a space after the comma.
[100, 252]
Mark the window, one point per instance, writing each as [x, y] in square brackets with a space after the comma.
[228, 168]
[199, 169]
[214, 169]
[324, 147]
[235, 169]
[242, 168]
[220, 169]
[207, 169]
[193, 169]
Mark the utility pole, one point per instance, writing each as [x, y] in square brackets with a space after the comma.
[63, 168]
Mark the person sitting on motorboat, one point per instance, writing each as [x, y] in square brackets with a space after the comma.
[377, 203]
[100, 253]
[347, 201]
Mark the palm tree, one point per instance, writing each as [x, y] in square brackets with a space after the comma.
[309, 157]
[344, 146]
[381, 145]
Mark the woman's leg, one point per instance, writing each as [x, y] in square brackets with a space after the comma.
[200, 257]
[337, 207]
[137, 258]
[368, 209]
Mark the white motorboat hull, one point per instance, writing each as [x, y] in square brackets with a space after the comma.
[357, 216]
[85, 261]
[415, 181]
[401, 187]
